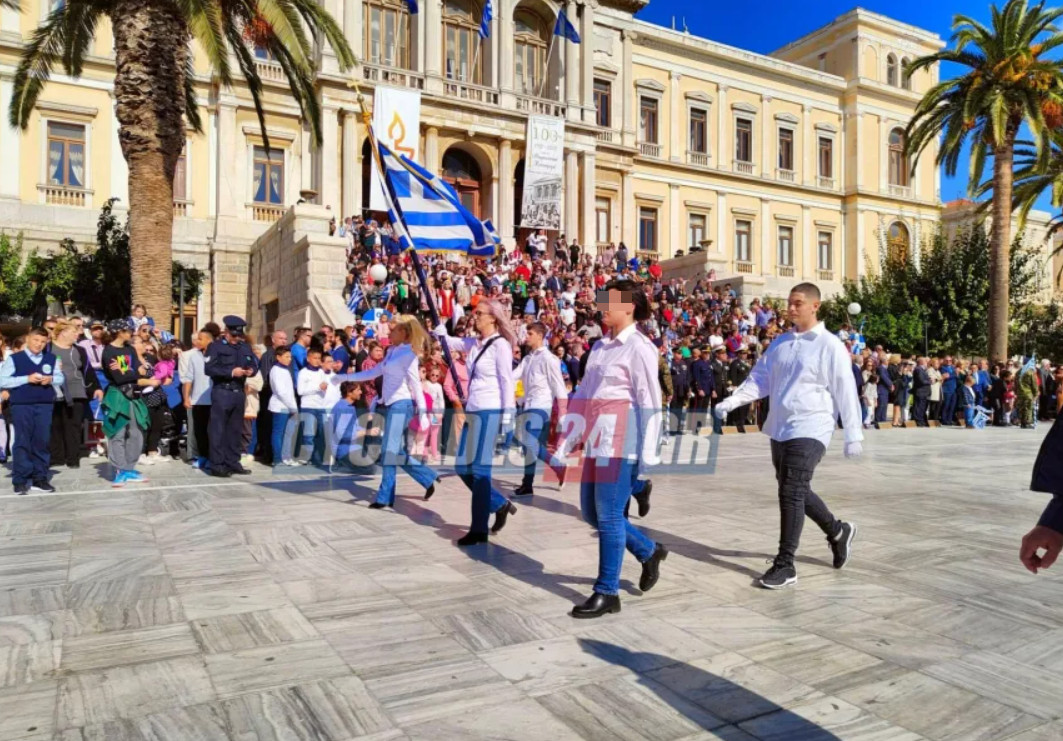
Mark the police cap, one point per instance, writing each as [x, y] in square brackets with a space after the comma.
[234, 324]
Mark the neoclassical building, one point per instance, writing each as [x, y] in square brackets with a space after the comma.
[780, 167]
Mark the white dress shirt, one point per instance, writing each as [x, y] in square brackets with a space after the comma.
[401, 370]
[809, 379]
[540, 373]
[491, 384]
[282, 386]
[308, 384]
[621, 375]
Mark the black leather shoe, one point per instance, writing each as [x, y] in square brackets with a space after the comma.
[523, 491]
[377, 505]
[241, 471]
[651, 569]
[502, 515]
[430, 491]
[472, 539]
[220, 473]
[596, 606]
[643, 499]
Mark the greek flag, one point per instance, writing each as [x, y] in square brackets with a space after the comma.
[426, 213]
[485, 20]
[412, 5]
[386, 293]
[564, 27]
[355, 299]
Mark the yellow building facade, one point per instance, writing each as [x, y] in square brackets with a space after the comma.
[780, 167]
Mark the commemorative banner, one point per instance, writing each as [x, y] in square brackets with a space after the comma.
[397, 123]
[543, 170]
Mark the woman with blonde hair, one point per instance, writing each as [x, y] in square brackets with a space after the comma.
[401, 398]
[490, 406]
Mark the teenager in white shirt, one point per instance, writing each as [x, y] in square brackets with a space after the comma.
[488, 409]
[283, 406]
[808, 375]
[402, 397]
[540, 373]
[617, 409]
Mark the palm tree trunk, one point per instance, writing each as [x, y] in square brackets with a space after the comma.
[151, 45]
[1000, 252]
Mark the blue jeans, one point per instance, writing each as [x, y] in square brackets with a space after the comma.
[315, 435]
[281, 433]
[533, 432]
[603, 494]
[948, 408]
[396, 420]
[473, 464]
[31, 453]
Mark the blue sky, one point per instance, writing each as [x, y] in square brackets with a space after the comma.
[765, 25]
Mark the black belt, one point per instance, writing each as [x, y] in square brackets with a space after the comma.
[229, 386]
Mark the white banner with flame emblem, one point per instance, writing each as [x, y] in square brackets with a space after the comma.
[397, 123]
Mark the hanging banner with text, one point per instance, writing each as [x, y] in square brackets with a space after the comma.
[397, 123]
[544, 163]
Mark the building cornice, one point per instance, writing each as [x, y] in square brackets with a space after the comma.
[860, 15]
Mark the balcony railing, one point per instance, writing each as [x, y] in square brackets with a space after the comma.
[746, 168]
[700, 159]
[743, 267]
[180, 207]
[269, 71]
[649, 149]
[63, 195]
[468, 91]
[787, 176]
[824, 274]
[900, 191]
[823, 182]
[392, 76]
[266, 212]
[605, 135]
[541, 106]
[786, 271]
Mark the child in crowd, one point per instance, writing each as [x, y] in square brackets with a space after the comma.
[434, 390]
[870, 400]
[969, 400]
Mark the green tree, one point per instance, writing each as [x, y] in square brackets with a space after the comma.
[16, 286]
[154, 90]
[1010, 81]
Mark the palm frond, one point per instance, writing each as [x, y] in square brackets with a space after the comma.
[191, 104]
[204, 20]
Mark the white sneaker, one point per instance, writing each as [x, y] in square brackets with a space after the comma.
[291, 463]
[147, 460]
[94, 453]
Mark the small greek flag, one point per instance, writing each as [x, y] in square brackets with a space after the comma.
[564, 27]
[485, 20]
[386, 292]
[412, 5]
[426, 213]
[355, 299]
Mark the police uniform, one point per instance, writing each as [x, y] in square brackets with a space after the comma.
[227, 397]
[736, 375]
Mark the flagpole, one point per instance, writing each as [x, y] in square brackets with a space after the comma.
[367, 118]
[546, 72]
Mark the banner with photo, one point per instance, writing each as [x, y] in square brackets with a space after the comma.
[397, 123]
[544, 163]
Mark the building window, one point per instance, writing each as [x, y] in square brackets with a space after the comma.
[898, 162]
[268, 173]
[891, 70]
[897, 242]
[906, 79]
[387, 37]
[648, 229]
[826, 157]
[786, 246]
[603, 102]
[744, 140]
[743, 233]
[66, 155]
[699, 128]
[786, 149]
[532, 42]
[826, 251]
[696, 230]
[180, 177]
[461, 39]
[601, 220]
[648, 120]
[263, 54]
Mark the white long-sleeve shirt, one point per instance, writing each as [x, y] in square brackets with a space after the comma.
[491, 384]
[282, 386]
[621, 376]
[308, 384]
[540, 373]
[401, 369]
[809, 379]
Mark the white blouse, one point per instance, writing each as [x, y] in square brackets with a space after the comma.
[401, 369]
[491, 384]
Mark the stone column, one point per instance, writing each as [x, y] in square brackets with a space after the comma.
[433, 35]
[676, 236]
[506, 218]
[119, 181]
[675, 128]
[809, 149]
[628, 232]
[352, 164]
[765, 237]
[573, 69]
[431, 149]
[855, 120]
[627, 90]
[767, 134]
[305, 172]
[10, 139]
[587, 199]
[329, 158]
[861, 262]
[883, 154]
[723, 220]
[809, 262]
[571, 220]
[229, 181]
[723, 120]
[505, 41]
[587, 38]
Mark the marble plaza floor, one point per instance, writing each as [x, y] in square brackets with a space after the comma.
[196, 609]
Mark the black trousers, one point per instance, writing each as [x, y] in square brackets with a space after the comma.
[200, 428]
[739, 417]
[263, 451]
[795, 461]
[66, 439]
[919, 410]
[226, 428]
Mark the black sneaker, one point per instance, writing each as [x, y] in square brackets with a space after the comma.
[22, 489]
[778, 576]
[43, 486]
[842, 544]
[523, 491]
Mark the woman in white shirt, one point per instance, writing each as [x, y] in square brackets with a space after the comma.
[490, 405]
[616, 409]
[402, 397]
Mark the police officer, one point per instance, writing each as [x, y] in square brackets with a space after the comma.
[719, 380]
[736, 374]
[229, 363]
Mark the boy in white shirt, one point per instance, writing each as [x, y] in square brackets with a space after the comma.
[319, 391]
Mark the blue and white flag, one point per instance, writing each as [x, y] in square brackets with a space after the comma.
[355, 299]
[564, 27]
[412, 5]
[485, 20]
[426, 213]
[386, 293]
[492, 232]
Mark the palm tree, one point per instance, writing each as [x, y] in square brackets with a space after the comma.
[154, 90]
[1009, 82]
